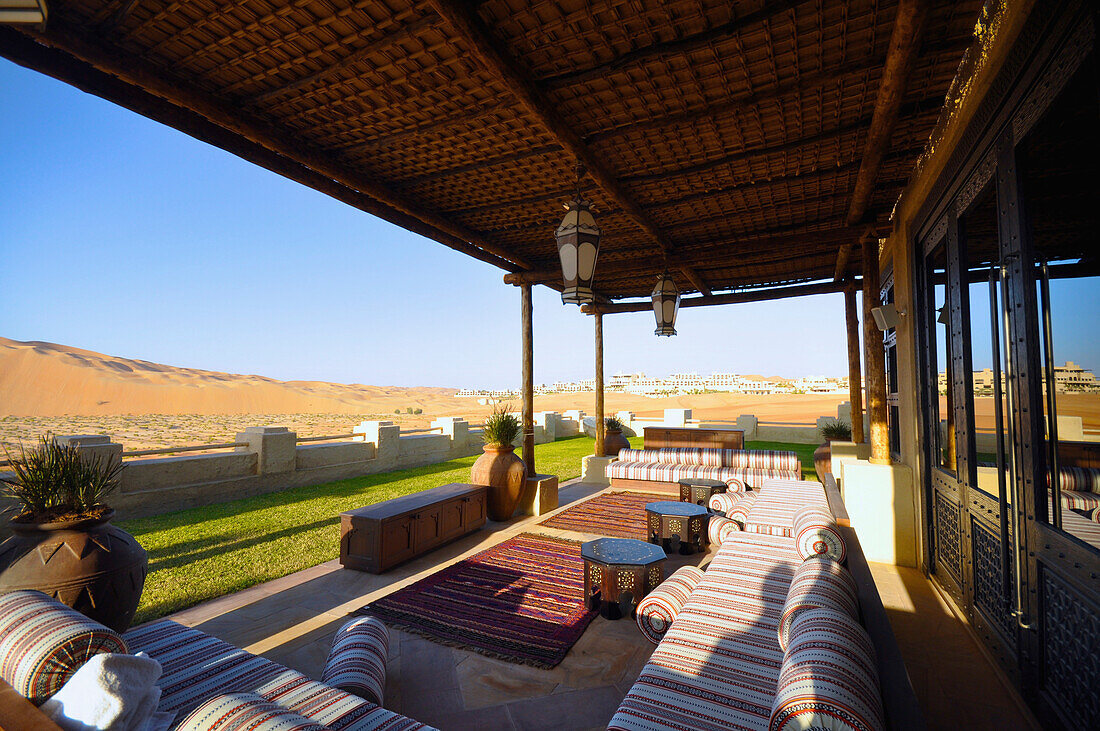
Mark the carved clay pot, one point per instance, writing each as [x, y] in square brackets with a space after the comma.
[613, 441]
[92, 566]
[505, 473]
[823, 460]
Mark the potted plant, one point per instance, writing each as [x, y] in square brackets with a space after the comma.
[613, 439]
[831, 430]
[500, 468]
[64, 544]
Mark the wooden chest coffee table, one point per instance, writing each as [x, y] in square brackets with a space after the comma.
[618, 572]
[383, 535]
[677, 526]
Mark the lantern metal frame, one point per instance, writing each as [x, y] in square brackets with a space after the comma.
[666, 305]
[578, 239]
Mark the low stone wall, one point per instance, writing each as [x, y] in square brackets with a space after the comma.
[273, 460]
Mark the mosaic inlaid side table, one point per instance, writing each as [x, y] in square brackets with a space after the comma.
[699, 489]
[676, 526]
[618, 572]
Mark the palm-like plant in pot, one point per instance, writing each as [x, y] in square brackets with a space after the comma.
[832, 430]
[613, 439]
[63, 543]
[500, 468]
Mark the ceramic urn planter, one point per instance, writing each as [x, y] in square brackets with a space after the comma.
[613, 441]
[501, 469]
[94, 567]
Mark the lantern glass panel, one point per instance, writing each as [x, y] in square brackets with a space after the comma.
[568, 255]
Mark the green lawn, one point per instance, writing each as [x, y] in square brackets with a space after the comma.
[207, 552]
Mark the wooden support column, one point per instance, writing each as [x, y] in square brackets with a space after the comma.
[875, 356]
[528, 380]
[598, 451]
[855, 384]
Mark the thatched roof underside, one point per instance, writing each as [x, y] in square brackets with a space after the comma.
[727, 136]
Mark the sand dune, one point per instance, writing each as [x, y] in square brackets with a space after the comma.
[45, 379]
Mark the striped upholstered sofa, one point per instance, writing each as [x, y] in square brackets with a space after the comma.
[768, 637]
[205, 683]
[741, 469]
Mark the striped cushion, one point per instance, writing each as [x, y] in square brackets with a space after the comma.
[43, 642]
[718, 664]
[719, 529]
[1085, 501]
[235, 711]
[197, 667]
[660, 606]
[828, 679]
[737, 478]
[723, 502]
[816, 533]
[761, 459]
[740, 512]
[357, 659]
[819, 582]
[1080, 479]
[779, 500]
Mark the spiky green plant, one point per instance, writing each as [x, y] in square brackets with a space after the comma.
[835, 430]
[612, 422]
[501, 427]
[53, 480]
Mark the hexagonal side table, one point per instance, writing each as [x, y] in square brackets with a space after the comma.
[618, 573]
[676, 526]
[699, 489]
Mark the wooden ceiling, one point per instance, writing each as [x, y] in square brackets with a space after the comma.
[741, 144]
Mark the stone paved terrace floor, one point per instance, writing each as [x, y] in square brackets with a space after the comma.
[291, 621]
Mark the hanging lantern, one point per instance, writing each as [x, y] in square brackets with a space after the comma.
[666, 303]
[578, 239]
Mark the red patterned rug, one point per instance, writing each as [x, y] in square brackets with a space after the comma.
[521, 601]
[614, 514]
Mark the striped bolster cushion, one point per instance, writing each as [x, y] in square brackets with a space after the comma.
[819, 582]
[724, 502]
[357, 659]
[1086, 501]
[43, 642]
[828, 678]
[1081, 479]
[740, 512]
[235, 711]
[816, 533]
[719, 529]
[660, 606]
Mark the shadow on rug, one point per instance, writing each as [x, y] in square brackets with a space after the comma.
[521, 601]
[614, 514]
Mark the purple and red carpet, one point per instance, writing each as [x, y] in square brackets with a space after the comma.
[614, 514]
[521, 601]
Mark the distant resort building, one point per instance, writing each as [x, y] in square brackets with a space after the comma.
[680, 384]
[1068, 378]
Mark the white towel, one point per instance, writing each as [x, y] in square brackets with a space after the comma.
[109, 693]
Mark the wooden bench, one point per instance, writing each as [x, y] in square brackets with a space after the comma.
[380, 536]
[657, 437]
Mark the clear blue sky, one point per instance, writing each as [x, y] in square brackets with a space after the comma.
[123, 236]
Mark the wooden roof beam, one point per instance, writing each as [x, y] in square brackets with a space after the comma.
[464, 19]
[139, 73]
[900, 59]
[677, 46]
[842, 255]
[761, 295]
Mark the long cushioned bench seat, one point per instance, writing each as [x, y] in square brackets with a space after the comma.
[197, 667]
[739, 469]
[720, 664]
